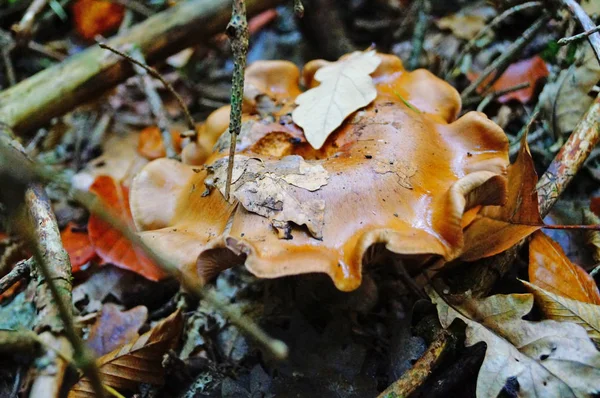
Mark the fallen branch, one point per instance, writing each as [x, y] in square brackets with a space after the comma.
[586, 24]
[20, 271]
[60, 88]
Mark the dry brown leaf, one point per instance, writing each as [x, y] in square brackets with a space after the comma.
[593, 237]
[137, 362]
[467, 23]
[550, 269]
[345, 87]
[563, 309]
[269, 188]
[498, 228]
[566, 100]
[547, 358]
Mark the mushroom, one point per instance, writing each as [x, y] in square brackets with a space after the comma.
[398, 174]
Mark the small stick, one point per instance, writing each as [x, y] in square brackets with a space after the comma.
[473, 42]
[155, 102]
[154, 73]
[20, 271]
[586, 24]
[501, 63]
[23, 29]
[566, 40]
[41, 49]
[416, 376]
[237, 30]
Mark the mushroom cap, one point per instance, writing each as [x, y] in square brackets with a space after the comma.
[390, 174]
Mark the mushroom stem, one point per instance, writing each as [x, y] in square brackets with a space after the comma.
[237, 30]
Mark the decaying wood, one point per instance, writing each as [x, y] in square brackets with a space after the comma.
[60, 88]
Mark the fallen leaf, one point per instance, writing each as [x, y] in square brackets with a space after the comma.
[565, 100]
[150, 144]
[137, 362]
[394, 177]
[110, 244]
[550, 269]
[547, 358]
[591, 7]
[114, 328]
[530, 70]
[96, 17]
[273, 194]
[564, 309]
[498, 228]
[467, 23]
[345, 87]
[592, 237]
[77, 244]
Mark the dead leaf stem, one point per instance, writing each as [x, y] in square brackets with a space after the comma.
[237, 30]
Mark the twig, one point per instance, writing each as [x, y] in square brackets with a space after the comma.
[19, 271]
[566, 40]
[501, 63]
[495, 94]
[62, 87]
[19, 170]
[41, 49]
[155, 102]
[24, 28]
[473, 42]
[586, 24]
[53, 263]
[237, 30]
[154, 73]
[416, 376]
[570, 158]
[419, 34]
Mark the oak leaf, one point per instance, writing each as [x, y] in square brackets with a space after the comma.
[345, 87]
[498, 228]
[139, 361]
[564, 309]
[110, 244]
[547, 358]
[551, 270]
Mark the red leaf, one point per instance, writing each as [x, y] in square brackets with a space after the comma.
[77, 244]
[96, 17]
[526, 71]
[110, 244]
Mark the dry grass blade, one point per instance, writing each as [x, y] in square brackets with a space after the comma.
[136, 362]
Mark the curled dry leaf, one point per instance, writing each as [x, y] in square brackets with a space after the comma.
[139, 361]
[547, 359]
[551, 270]
[114, 328]
[498, 228]
[564, 309]
[345, 86]
[388, 175]
[77, 244]
[96, 17]
[109, 243]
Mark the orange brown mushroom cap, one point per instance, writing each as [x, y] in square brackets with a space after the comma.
[391, 174]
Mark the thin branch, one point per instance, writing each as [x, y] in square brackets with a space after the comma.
[237, 30]
[154, 73]
[488, 27]
[501, 63]
[156, 104]
[24, 28]
[19, 271]
[586, 24]
[566, 40]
